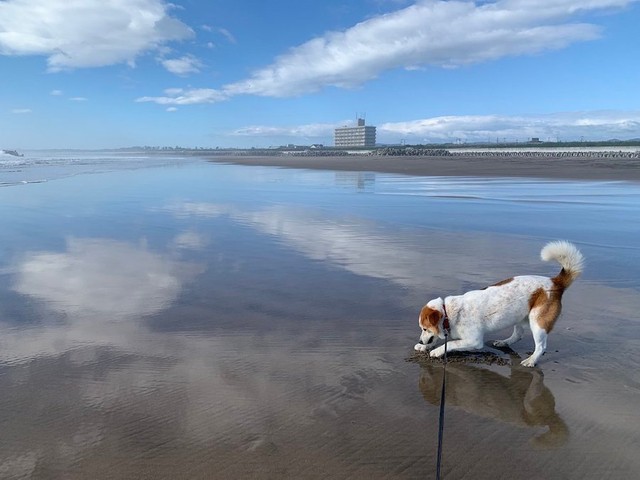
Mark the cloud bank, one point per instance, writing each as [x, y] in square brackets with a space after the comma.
[476, 128]
[473, 128]
[442, 34]
[87, 33]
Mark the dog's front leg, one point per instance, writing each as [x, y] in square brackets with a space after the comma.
[453, 345]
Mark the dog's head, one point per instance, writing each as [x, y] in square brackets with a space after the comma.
[430, 321]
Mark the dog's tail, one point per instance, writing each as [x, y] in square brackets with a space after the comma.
[569, 258]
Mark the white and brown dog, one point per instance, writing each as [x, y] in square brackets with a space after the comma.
[516, 301]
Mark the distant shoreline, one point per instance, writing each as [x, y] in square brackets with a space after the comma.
[570, 168]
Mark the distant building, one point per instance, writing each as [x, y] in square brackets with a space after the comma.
[360, 136]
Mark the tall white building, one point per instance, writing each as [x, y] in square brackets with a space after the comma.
[360, 136]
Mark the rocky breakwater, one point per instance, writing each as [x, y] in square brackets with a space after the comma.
[412, 152]
[548, 154]
[317, 153]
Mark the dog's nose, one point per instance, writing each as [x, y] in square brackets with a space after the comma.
[420, 342]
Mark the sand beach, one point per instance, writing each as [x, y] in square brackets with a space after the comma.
[577, 168]
[178, 317]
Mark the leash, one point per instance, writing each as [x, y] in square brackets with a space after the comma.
[446, 328]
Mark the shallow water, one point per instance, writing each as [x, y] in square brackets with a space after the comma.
[183, 319]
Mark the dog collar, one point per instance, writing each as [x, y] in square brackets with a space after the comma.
[445, 322]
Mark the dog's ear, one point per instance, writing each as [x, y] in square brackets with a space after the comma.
[434, 318]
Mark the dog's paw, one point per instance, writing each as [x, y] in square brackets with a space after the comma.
[437, 353]
[500, 344]
[528, 362]
[420, 347]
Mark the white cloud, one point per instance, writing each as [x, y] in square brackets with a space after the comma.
[179, 96]
[595, 125]
[566, 126]
[441, 34]
[227, 34]
[182, 66]
[19, 111]
[222, 31]
[87, 33]
[309, 130]
[434, 33]
[78, 99]
[172, 109]
[55, 93]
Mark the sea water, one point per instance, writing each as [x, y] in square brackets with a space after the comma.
[169, 317]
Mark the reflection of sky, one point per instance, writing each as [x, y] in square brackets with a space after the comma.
[101, 267]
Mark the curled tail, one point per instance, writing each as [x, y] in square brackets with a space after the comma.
[569, 258]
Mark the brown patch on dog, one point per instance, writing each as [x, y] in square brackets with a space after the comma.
[547, 305]
[500, 283]
[430, 319]
[537, 299]
[563, 280]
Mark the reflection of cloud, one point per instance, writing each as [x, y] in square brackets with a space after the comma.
[355, 247]
[189, 390]
[190, 240]
[363, 249]
[198, 209]
[96, 284]
[113, 280]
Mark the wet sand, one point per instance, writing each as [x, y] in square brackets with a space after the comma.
[197, 322]
[578, 168]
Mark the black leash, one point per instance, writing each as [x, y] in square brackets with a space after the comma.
[442, 396]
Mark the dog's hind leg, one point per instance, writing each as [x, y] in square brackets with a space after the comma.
[518, 330]
[540, 339]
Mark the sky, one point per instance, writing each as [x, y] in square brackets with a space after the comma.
[251, 73]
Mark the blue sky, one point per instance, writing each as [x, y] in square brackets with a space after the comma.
[114, 73]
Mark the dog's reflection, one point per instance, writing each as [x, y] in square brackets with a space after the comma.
[519, 399]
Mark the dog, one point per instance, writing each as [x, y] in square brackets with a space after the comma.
[516, 301]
